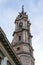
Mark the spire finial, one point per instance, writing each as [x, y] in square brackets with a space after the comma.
[22, 8]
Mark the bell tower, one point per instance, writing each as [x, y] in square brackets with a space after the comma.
[22, 41]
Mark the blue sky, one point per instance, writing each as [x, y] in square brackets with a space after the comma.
[9, 10]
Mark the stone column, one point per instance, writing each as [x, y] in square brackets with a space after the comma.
[4, 61]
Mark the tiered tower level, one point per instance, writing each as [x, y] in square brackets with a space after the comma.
[22, 41]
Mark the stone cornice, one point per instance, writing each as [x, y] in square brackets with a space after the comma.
[15, 32]
[21, 16]
[23, 52]
[8, 47]
[19, 43]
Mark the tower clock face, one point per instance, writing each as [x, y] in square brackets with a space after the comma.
[26, 48]
[20, 25]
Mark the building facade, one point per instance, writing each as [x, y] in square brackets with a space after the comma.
[22, 41]
[20, 51]
[7, 54]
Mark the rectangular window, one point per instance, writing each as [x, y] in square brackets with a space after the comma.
[19, 38]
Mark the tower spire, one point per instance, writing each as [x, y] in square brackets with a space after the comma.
[22, 8]
[22, 43]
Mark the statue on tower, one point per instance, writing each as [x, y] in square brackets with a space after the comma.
[22, 8]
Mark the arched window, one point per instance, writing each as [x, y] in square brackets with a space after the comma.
[19, 38]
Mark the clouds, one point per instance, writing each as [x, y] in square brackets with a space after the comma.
[9, 10]
[36, 6]
[7, 18]
[3, 1]
[33, 5]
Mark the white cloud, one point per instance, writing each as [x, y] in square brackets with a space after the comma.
[3, 1]
[36, 7]
[39, 59]
[8, 15]
[7, 21]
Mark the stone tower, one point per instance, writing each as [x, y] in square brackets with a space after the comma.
[22, 41]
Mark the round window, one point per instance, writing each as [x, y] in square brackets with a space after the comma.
[20, 25]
